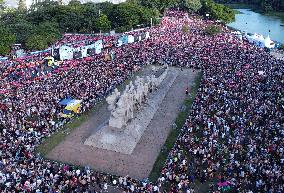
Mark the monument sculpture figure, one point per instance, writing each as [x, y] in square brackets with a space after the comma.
[112, 99]
[122, 105]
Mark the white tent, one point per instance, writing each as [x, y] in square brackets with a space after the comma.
[258, 37]
[85, 49]
[99, 46]
[268, 42]
[66, 53]
[130, 38]
[147, 35]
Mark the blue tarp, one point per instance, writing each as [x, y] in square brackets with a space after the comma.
[124, 39]
[66, 112]
[65, 101]
[39, 52]
[3, 58]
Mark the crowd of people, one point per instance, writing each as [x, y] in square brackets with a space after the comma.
[231, 141]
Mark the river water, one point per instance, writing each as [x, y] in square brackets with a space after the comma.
[252, 22]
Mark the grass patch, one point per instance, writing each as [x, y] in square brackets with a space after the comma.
[172, 137]
[51, 142]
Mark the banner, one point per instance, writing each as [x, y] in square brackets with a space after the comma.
[130, 39]
[99, 46]
[136, 38]
[66, 53]
[143, 36]
[122, 40]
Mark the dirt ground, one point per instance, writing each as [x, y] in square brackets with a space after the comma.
[139, 164]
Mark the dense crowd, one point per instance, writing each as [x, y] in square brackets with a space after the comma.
[232, 140]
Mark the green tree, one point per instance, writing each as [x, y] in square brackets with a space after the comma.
[49, 30]
[266, 5]
[36, 42]
[185, 29]
[125, 16]
[74, 3]
[7, 39]
[192, 5]
[103, 23]
[212, 30]
[22, 7]
[60, 2]
[1, 6]
[152, 4]
[90, 13]
[71, 21]
[23, 30]
[41, 5]
[217, 11]
[105, 7]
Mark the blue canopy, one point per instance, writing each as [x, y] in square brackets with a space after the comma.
[3, 58]
[66, 112]
[65, 101]
[40, 51]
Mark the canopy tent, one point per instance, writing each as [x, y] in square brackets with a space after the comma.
[65, 101]
[122, 40]
[49, 61]
[130, 39]
[20, 53]
[66, 53]
[66, 114]
[85, 50]
[268, 43]
[72, 106]
[3, 58]
[40, 52]
[260, 41]
[98, 46]
[147, 35]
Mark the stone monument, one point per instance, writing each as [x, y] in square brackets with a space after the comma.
[122, 106]
[131, 111]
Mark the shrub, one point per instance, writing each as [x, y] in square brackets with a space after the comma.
[185, 29]
[212, 30]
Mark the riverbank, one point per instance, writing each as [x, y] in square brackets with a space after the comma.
[251, 21]
[240, 6]
[256, 9]
[276, 14]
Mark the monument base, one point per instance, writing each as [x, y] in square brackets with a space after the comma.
[124, 140]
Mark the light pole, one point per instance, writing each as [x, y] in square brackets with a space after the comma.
[99, 18]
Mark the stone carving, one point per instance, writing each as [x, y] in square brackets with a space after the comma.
[122, 106]
[112, 99]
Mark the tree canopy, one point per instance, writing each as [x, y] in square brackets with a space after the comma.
[7, 38]
[1, 5]
[265, 5]
[103, 23]
[217, 11]
[45, 21]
